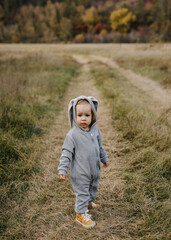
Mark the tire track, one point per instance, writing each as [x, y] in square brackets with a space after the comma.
[159, 96]
[48, 212]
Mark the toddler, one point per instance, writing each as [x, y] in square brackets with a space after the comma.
[83, 148]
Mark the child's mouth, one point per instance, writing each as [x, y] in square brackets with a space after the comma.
[83, 124]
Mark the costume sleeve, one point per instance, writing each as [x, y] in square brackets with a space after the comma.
[66, 157]
[103, 154]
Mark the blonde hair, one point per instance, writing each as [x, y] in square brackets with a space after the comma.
[84, 101]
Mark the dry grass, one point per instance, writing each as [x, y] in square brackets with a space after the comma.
[134, 190]
[32, 88]
[158, 69]
[147, 154]
[48, 211]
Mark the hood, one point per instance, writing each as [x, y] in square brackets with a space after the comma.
[71, 108]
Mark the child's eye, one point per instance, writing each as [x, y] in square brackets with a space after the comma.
[79, 115]
[87, 115]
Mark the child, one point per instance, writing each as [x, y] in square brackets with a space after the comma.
[83, 148]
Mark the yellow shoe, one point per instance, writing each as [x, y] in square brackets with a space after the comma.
[85, 220]
[93, 205]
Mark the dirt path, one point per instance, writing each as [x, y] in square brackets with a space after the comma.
[159, 96]
[48, 212]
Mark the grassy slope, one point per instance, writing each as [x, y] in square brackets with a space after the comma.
[32, 87]
[147, 154]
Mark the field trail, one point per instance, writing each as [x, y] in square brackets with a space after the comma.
[158, 96]
[134, 189]
[48, 212]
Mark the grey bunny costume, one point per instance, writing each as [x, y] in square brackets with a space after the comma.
[85, 152]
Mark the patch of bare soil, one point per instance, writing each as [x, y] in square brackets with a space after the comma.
[48, 212]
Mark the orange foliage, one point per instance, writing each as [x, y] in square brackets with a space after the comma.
[99, 27]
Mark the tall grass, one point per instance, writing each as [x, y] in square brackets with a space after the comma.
[31, 91]
[147, 153]
[158, 69]
[149, 60]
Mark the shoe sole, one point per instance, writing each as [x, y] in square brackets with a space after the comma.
[86, 226]
[93, 208]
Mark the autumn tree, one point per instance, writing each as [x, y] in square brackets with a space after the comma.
[45, 24]
[65, 29]
[99, 27]
[161, 25]
[55, 20]
[121, 20]
[1, 16]
[50, 20]
[71, 12]
[90, 17]
[37, 23]
[25, 20]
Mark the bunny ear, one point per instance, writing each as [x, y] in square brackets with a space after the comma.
[95, 101]
[70, 112]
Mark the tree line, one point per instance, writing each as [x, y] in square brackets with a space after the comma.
[79, 21]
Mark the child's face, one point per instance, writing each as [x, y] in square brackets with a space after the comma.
[83, 115]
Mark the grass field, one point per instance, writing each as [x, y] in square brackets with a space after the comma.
[133, 82]
[147, 154]
[32, 88]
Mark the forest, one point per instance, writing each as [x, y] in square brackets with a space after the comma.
[85, 21]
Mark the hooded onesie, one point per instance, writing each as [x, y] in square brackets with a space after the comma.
[84, 150]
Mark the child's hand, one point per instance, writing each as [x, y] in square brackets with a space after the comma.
[105, 165]
[62, 177]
